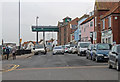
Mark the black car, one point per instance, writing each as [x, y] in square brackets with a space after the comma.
[89, 52]
[100, 52]
[114, 57]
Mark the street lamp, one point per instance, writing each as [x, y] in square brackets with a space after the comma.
[19, 27]
[37, 27]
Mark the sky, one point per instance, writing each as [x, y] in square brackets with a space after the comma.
[48, 11]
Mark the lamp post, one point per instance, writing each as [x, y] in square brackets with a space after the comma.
[37, 27]
[19, 27]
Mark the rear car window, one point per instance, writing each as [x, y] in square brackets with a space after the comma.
[103, 47]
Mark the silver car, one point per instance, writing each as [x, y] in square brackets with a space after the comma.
[58, 50]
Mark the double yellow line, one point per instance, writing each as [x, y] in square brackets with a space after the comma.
[13, 68]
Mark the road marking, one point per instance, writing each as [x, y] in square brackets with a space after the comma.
[63, 67]
[13, 68]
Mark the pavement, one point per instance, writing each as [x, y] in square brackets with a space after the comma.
[8, 67]
[58, 67]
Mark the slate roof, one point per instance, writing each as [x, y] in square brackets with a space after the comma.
[87, 20]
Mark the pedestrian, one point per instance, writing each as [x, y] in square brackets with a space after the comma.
[7, 50]
[14, 53]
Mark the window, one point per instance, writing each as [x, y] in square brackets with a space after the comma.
[109, 21]
[95, 21]
[103, 23]
[91, 24]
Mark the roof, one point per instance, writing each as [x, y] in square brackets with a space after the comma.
[76, 19]
[67, 18]
[104, 5]
[84, 16]
[111, 11]
[87, 20]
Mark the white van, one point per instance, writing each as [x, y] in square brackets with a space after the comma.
[82, 47]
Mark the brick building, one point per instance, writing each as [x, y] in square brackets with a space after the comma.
[66, 29]
[100, 9]
[62, 30]
[110, 25]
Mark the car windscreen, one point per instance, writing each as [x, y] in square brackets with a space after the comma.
[84, 45]
[118, 49]
[58, 47]
[39, 46]
[103, 47]
[72, 45]
[67, 46]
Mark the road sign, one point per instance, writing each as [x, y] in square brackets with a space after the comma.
[45, 28]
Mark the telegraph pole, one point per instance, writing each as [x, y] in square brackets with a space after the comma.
[37, 27]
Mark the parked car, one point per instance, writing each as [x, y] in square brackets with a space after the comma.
[58, 50]
[114, 57]
[71, 48]
[89, 52]
[74, 50]
[100, 52]
[82, 47]
[67, 48]
[39, 49]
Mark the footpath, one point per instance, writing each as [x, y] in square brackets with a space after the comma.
[10, 67]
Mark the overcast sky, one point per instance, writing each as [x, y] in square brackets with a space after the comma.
[49, 12]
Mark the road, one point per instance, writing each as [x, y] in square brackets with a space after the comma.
[58, 67]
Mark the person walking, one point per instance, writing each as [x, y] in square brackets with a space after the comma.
[14, 53]
[7, 49]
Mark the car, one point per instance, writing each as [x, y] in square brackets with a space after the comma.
[71, 47]
[67, 48]
[39, 48]
[89, 52]
[58, 50]
[114, 57]
[101, 51]
[82, 47]
[74, 50]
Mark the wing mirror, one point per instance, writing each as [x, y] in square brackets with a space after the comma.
[114, 53]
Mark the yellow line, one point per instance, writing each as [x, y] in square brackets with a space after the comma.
[63, 67]
[13, 68]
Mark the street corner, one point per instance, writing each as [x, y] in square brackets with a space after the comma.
[9, 67]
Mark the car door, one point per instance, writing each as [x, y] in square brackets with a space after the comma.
[113, 55]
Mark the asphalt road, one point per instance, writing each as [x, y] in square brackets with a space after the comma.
[58, 67]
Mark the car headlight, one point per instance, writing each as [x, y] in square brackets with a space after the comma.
[100, 54]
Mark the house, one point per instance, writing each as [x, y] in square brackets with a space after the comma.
[110, 25]
[62, 34]
[100, 9]
[71, 28]
[66, 30]
[87, 29]
[28, 45]
[77, 33]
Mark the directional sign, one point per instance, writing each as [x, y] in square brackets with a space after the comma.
[45, 28]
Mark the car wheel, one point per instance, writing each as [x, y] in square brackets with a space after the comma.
[109, 65]
[117, 66]
[78, 54]
[86, 57]
[36, 53]
[96, 59]
[93, 58]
